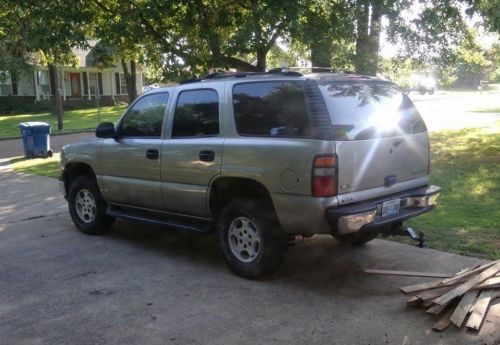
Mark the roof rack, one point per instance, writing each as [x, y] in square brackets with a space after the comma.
[223, 75]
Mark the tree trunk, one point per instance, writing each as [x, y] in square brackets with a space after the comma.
[368, 37]
[130, 79]
[321, 53]
[261, 60]
[56, 89]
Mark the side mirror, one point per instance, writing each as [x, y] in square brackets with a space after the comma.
[106, 130]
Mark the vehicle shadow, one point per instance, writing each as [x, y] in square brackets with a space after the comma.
[320, 264]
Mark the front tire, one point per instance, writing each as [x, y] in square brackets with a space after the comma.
[87, 207]
[250, 239]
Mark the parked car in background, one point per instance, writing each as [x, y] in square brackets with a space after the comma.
[423, 84]
[258, 158]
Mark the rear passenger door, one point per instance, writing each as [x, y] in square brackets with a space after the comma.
[192, 154]
[130, 165]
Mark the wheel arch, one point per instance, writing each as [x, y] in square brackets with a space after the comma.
[224, 189]
[75, 169]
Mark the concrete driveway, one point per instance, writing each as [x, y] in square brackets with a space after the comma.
[140, 284]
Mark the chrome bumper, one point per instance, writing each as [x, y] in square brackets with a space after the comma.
[367, 215]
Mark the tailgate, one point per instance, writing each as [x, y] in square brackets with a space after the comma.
[380, 162]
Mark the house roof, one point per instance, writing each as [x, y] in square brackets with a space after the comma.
[84, 56]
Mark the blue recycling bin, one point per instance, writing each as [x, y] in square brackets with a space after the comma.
[36, 139]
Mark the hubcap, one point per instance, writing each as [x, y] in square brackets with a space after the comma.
[244, 239]
[85, 205]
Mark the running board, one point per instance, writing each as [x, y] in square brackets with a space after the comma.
[194, 226]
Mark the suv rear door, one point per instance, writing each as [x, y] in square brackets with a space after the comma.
[380, 138]
[192, 154]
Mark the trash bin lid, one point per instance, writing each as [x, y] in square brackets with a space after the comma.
[34, 124]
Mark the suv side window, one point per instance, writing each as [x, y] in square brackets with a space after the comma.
[196, 114]
[276, 109]
[145, 118]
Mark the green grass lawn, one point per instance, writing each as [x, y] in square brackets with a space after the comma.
[74, 120]
[39, 166]
[487, 110]
[466, 164]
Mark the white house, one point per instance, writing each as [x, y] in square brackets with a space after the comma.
[78, 85]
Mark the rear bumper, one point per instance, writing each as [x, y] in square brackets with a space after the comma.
[367, 216]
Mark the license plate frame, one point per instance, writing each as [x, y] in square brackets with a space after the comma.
[391, 207]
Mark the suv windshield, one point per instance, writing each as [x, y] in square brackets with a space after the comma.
[369, 110]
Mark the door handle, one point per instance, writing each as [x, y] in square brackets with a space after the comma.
[207, 156]
[152, 154]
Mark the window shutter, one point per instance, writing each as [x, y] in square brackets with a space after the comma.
[117, 83]
[99, 82]
[13, 78]
[85, 83]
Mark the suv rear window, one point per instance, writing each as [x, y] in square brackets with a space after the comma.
[370, 110]
[274, 109]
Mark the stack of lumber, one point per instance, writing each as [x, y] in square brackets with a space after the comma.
[459, 299]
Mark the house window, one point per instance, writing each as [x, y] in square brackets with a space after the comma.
[120, 84]
[44, 83]
[123, 84]
[93, 83]
[5, 83]
[85, 83]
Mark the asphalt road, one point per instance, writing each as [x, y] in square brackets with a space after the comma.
[140, 284]
[450, 111]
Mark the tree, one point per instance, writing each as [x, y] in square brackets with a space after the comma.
[46, 30]
[489, 11]
[194, 36]
[352, 29]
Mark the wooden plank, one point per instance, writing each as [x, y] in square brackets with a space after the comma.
[479, 310]
[491, 282]
[469, 284]
[434, 284]
[463, 308]
[468, 269]
[469, 273]
[414, 301]
[432, 294]
[419, 287]
[437, 309]
[408, 273]
[444, 322]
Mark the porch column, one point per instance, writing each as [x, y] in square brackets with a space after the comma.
[63, 84]
[35, 80]
[112, 85]
[88, 83]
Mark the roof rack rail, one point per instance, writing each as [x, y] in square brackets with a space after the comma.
[222, 75]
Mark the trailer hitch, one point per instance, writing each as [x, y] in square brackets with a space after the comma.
[414, 235]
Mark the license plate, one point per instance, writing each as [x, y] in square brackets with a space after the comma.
[390, 207]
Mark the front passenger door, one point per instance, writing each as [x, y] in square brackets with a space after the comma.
[130, 165]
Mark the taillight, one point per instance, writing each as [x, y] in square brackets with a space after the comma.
[324, 176]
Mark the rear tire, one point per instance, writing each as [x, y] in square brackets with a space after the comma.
[250, 239]
[87, 207]
[358, 239]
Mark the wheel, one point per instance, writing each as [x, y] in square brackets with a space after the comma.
[50, 153]
[431, 91]
[87, 207]
[250, 239]
[422, 91]
[358, 239]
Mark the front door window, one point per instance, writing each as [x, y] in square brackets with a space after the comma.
[75, 85]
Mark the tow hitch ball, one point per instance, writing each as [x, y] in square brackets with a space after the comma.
[414, 235]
